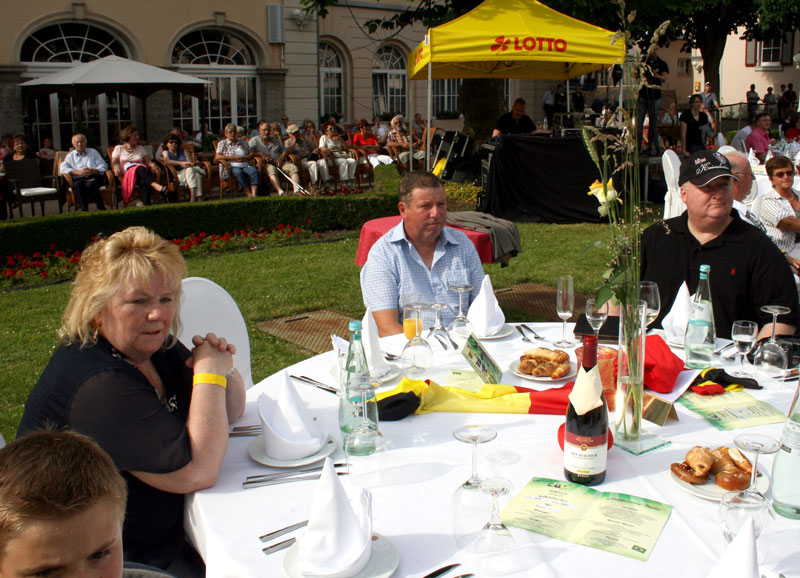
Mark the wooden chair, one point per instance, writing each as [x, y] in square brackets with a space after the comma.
[117, 187]
[364, 169]
[106, 191]
[230, 184]
[26, 184]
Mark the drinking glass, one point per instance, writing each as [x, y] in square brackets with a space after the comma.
[736, 507]
[648, 292]
[743, 334]
[595, 315]
[417, 355]
[756, 444]
[470, 505]
[565, 302]
[460, 327]
[495, 536]
[438, 337]
[771, 359]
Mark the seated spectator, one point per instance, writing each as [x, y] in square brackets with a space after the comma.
[265, 147]
[87, 169]
[19, 149]
[6, 146]
[121, 376]
[317, 167]
[793, 133]
[47, 151]
[399, 137]
[237, 153]
[189, 174]
[740, 137]
[671, 117]
[380, 130]
[759, 140]
[282, 159]
[130, 155]
[334, 148]
[779, 208]
[337, 128]
[514, 122]
[368, 142]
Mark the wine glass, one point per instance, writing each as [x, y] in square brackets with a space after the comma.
[460, 327]
[470, 505]
[417, 355]
[744, 336]
[648, 292]
[474, 434]
[565, 301]
[735, 508]
[495, 536]
[364, 445]
[756, 444]
[771, 359]
[438, 338]
[595, 315]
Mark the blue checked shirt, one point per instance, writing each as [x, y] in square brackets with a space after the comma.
[395, 274]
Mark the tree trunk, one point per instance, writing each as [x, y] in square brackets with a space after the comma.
[711, 47]
[481, 102]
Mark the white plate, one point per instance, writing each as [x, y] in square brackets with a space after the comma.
[504, 331]
[256, 451]
[393, 373]
[383, 560]
[573, 371]
[711, 491]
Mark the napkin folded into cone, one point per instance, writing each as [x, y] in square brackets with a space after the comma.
[751, 158]
[740, 559]
[338, 540]
[372, 347]
[675, 322]
[290, 433]
[485, 314]
[586, 392]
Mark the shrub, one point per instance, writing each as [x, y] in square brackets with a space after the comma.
[462, 192]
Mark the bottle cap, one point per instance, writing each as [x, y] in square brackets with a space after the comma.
[354, 326]
[705, 268]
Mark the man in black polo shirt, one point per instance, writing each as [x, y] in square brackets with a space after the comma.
[747, 269]
[514, 122]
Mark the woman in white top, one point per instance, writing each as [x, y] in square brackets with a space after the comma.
[130, 155]
[334, 146]
[779, 208]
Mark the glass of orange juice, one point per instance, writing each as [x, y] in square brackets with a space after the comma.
[417, 354]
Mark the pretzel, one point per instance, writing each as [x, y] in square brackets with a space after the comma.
[545, 354]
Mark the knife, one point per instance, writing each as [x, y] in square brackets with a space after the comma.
[440, 571]
[258, 483]
[263, 477]
[279, 546]
[282, 531]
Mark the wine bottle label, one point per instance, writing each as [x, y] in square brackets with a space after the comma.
[701, 313]
[790, 439]
[585, 455]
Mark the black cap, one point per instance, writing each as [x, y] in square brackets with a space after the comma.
[703, 167]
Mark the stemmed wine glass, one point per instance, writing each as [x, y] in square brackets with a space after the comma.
[771, 359]
[438, 337]
[470, 506]
[417, 355]
[565, 301]
[495, 536]
[460, 326]
[744, 336]
[595, 315]
[648, 292]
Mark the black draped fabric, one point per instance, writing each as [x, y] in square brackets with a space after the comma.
[533, 178]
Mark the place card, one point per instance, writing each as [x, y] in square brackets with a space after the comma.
[732, 409]
[480, 360]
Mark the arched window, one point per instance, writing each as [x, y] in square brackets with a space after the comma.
[58, 46]
[388, 82]
[228, 63]
[331, 80]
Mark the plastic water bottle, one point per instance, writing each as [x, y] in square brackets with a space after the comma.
[786, 466]
[357, 386]
[700, 333]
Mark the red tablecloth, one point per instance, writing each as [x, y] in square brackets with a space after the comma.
[377, 228]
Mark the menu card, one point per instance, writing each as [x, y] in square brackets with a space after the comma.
[732, 409]
[480, 360]
[617, 523]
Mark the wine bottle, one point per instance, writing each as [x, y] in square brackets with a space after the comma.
[700, 332]
[357, 383]
[586, 435]
[786, 465]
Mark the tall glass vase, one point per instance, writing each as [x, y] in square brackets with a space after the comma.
[630, 371]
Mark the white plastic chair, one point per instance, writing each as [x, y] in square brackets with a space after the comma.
[725, 149]
[2, 442]
[673, 205]
[755, 208]
[208, 308]
[721, 140]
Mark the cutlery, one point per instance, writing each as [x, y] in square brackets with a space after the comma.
[464, 576]
[391, 356]
[243, 434]
[440, 571]
[277, 475]
[257, 483]
[453, 343]
[442, 342]
[282, 531]
[535, 335]
[315, 383]
[524, 337]
[279, 546]
[723, 349]
[239, 428]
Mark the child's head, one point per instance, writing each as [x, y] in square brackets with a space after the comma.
[62, 504]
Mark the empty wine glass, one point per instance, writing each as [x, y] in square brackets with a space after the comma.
[771, 359]
[565, 302]
[417, 355]
[648, 292]
[474, 434]
[735, 508]
[460, 327]
[743, 334]
[756, 444]
[495, 536]
[595, 315]
[470, 505]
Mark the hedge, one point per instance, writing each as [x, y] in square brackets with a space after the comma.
[73, 231]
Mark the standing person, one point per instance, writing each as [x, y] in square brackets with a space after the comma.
[759, 139]
[770, 102]
[130, 156]
[86, 167]
[237, 153]
[711, 104]
[578, 100]
[693, 124]
[789, 97]
[121, 376]
[559, 100]
[548, 100]
[752, 101]
[514, 122]
[649, 101]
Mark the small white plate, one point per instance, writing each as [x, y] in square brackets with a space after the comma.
[383, 560]
[256, 451]
[711, 491]
[504, 331]
[573, 371]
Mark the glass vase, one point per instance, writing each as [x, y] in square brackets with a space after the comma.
[630, 371]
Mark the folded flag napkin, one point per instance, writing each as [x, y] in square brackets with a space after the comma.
[485, 314]
[338, 540]
[713, 381]
[372, 347]
[661, 366]
[417, 396]
[290, 433]
[585, 395]
[740, 559]
[675, 322]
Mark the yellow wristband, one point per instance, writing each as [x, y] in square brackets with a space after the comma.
[219, 380]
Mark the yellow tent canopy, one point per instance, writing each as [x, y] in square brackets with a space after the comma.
[514, 39]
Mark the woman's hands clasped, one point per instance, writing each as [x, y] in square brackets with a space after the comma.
[211, 354]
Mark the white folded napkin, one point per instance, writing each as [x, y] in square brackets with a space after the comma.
[372, 347]
[585, 395]
[338, 343]
[338, 540]
[751, 157]
[740, 559]
[290, 433]
[675, 322]
[769, 155]
[485, 314]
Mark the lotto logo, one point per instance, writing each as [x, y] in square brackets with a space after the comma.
[529, 43]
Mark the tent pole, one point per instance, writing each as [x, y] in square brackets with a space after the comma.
[429, 136]
[568, 98]
[410, 127]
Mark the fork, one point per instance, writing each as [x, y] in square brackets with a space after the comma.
[524, 337]
[535, 335]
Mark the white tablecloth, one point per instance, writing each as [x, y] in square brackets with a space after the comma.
[425, 465]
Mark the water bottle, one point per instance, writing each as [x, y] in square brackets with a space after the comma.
[357, 390]
[786, 466]
[700, 333]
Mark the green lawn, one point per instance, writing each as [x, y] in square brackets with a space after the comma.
[273, 283]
